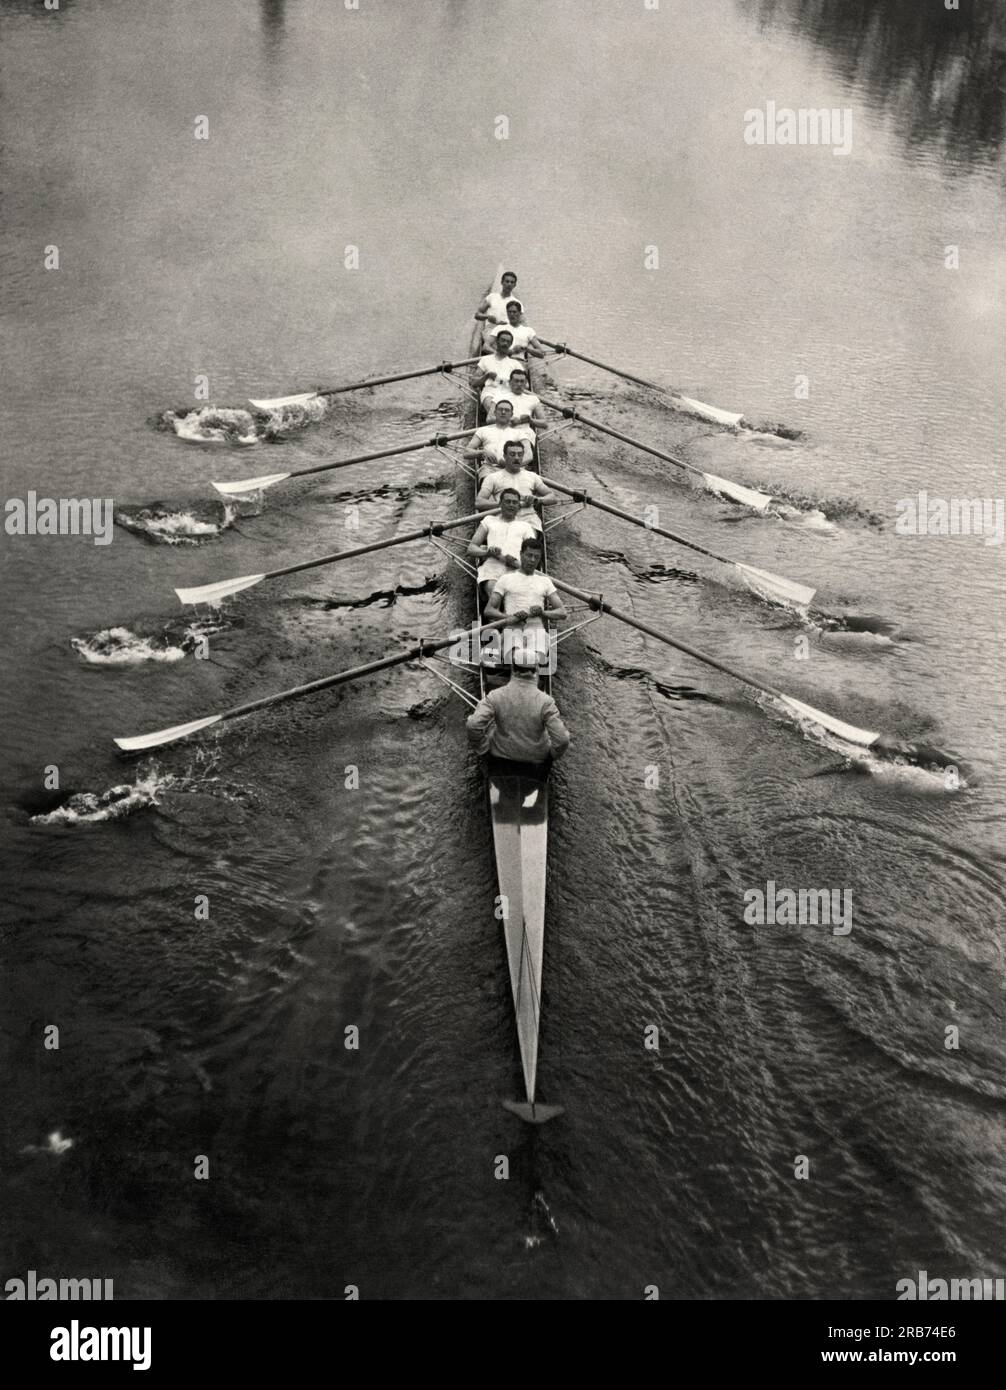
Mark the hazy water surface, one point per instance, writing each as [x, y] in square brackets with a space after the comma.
[332, 908]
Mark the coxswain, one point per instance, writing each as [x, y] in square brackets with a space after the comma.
[498, 539]
[518, 724]
[514, 474]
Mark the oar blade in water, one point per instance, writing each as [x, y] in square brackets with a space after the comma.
[709, 412]
[849, 732]
[215, 593]
[141, 742]
[249, 485]
[774, 587]
[278, 402]
[747, 496]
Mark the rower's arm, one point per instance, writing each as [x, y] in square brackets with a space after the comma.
[534, 347]
[558, 734]
[486, 500]
[542, 494]
[538, 420]
[482, 312]
[494, 608]
[480, 724]
[474, 448]
[477, 545]
[555, 608]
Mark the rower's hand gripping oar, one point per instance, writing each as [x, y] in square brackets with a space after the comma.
[142, 743]
[304, 397]
[225, 588]
[731, 418]
[249, 485]
[772, 587]
[723, 487]
[865, 738]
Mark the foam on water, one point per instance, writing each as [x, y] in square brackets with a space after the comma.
[120, 646]
[182, 527]
[91, 808]
[213, 425]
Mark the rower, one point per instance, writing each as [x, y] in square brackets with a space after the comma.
[493, 307]
[497, 541]
[518, 724]
[514, 474]
[529, 599]
[494, 369]
[527, 407]
[488, 442]
[525, 339]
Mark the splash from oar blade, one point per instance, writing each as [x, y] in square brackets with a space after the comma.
[140, 742]
[216, 593]
[730, 418]
[774, 588]
[248, 485]
[849, 732]
[747, 496]
[278, 402]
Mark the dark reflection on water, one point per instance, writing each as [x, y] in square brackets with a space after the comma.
[273, 14]
[941, 73]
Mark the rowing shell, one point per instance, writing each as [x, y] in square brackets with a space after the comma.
[518, 809]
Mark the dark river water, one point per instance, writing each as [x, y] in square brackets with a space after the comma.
[203, 951]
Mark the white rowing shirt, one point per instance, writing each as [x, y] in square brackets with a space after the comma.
[523, 480]
[522, 335]
[523, 591]
[497, 305]
[494, 439]
[508, 536]
[502, 366]
[524, 404]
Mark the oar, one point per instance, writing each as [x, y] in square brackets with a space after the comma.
[707, 412]
[760, 501]
[864, 737]
[763, 582]
[304, 396]
[271, 479]
[224, 588]
[140, 743]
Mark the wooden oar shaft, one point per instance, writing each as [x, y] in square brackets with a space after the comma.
[579, 496]
[571, 413]
[398, 376]
[600, 605]
[354, 673]
[615, 371]
[437, 439]
[433, 530]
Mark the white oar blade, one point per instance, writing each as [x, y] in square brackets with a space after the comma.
[215, 593]
[774, 587]
[710, 412]
[760, 501]
[163, 736]
[249, 485]
[849, 732]
[278, 402]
